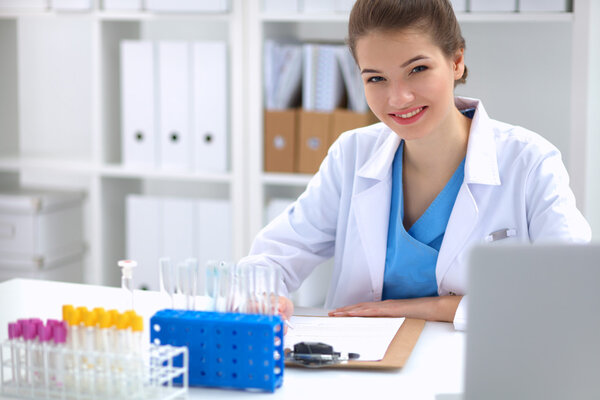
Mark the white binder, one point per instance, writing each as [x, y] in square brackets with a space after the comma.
[143, 225]
[174, 106]
[24, 4]
[543, 5]
[178, 229]
[493, 5]
[209, 113]
[138, 135]
[322, 86]
[280, 6]
[214, 230]
[188, 5]
[318, 6]
[122, 5]
[68, 5]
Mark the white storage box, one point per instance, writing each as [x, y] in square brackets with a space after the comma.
[493, 5]
[280, 6]
[39, 225]
[188, 5]
[543, 5]
[71, 5]
[122, 5]
[24, 4]
[65, 269]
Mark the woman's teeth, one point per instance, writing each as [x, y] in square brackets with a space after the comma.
[410, 114]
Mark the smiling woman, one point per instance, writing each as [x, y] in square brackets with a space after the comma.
[399, 204]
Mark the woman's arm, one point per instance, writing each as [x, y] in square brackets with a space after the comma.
[442, 308]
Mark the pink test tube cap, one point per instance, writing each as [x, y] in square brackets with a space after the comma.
[52, 322]
[29, 330]
[14, 330]
[59, 332]
[44, 333]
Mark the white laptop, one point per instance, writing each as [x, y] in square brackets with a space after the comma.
[533, 329]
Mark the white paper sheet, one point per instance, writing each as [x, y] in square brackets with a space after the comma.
[369, 337]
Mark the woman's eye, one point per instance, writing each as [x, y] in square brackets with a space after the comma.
[420, 68]
[374, 79]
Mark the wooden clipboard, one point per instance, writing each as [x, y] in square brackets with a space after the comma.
[396, 354]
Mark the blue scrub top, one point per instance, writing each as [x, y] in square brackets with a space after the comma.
[411, 256]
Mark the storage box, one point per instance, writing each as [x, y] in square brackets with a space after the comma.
[122, 5]
[344, 120]
[313, 140]
[68, 268]
[24, 4]
[281, 6]
[71, 5]
[493, 5]
[39, 226]
[280, 140]
[543, 5]
[188, 5]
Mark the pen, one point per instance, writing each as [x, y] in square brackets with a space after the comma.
[289, 325]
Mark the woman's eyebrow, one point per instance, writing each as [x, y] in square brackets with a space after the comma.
[405, 64]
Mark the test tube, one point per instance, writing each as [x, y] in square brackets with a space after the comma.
[44, 337]
[192, 274]
[127, 267]
[14, 335]
[167, 281]
[57, 360]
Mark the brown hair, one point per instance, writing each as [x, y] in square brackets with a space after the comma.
[435, 17]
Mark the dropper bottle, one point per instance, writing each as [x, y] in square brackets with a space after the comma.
[127, 267]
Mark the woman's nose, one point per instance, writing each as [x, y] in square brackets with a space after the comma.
[401, 95]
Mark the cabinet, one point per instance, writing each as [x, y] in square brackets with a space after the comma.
[60, 116]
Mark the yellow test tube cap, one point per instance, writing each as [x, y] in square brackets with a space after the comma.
[104, 319]
[66, 310]
[97, 311]
[113, 316]
[123, 321]
[137, 323]
[81, 313]
[89, 319]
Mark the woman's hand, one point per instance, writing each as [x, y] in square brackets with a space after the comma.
[442, 308]
[285, 308]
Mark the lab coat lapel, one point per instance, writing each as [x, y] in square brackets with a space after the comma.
[372, 208]
[481, 167]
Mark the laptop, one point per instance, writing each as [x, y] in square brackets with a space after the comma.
[533, 329]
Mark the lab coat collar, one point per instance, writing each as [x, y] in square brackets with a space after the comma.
[481, 164]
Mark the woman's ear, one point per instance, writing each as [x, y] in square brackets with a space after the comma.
[459, 63]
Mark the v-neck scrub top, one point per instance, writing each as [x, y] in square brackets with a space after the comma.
[411, 255]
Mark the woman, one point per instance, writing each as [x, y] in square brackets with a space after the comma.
[399, 204]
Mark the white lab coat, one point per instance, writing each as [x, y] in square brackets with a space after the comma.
[514, 180]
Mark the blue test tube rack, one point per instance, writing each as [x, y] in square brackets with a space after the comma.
[230, 350]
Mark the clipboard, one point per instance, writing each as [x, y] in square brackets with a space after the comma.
[396, 355]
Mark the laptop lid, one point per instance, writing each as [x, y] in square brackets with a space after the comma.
[533, 322]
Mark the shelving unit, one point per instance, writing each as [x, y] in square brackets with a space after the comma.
[61, 124]
[60, 104]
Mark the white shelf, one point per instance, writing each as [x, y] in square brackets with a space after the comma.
[15, 164]
[118, 171]
[281, 179]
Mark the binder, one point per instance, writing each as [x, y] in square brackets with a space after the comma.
[177, 221]
[187, 5]
[493, 5]
[313, 139]
[143, 238]
[282, 74]
[543, 5]
[318, 6]
[71, 5]
[138, 135]
[343, 120]
[123, 5]
[214, 230]
[280, 140]
[24, 4]
[322, 86]
[210, 96]
[174, 106]
[459, 5]
[344, 6]
[352, 80]
[280, 6]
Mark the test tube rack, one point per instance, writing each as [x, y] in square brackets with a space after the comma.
[26, 372]
[229, 350]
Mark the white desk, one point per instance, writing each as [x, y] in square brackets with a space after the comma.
[435, 365]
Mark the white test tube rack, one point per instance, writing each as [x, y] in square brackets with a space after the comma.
[91, 374]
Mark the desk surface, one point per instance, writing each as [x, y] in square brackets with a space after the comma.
[435, 365]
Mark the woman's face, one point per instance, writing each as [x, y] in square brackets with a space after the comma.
[409, 82]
